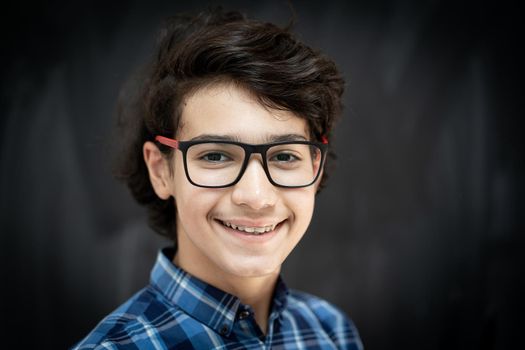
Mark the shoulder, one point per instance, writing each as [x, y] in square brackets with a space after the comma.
[321, 309]
[133, 324]
[312, 309]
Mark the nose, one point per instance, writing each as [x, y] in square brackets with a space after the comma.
[254, 190]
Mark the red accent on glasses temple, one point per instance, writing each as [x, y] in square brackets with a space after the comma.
[167, 141]
[324, 140]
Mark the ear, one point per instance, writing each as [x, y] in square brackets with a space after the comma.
[158, 169]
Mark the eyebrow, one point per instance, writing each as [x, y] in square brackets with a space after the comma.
[233, 138]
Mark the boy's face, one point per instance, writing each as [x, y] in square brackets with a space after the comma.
[206, 247]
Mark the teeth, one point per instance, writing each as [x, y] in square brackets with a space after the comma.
[253, 230]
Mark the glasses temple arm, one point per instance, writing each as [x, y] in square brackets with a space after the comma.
[167, 141]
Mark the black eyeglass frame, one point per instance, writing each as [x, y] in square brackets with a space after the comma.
[249, 149]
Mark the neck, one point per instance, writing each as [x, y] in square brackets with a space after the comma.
[257, 292]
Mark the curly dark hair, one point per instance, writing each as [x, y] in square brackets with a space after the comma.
[214, 47]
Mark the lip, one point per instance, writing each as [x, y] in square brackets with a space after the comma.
[250, 238]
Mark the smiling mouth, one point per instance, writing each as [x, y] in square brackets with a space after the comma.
[250, 230]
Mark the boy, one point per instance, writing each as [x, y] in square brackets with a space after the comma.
[228, 158]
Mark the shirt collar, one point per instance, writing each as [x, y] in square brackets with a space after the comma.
[211, 306]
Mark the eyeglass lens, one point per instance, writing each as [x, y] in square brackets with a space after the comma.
[219, 164]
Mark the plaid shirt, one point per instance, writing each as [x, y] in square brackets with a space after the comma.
[179, 311]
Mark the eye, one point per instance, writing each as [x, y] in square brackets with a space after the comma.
[215, 157]
[284, 158]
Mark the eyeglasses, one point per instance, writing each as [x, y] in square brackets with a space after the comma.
[216, 164]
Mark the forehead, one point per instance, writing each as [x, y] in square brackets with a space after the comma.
[226, 109]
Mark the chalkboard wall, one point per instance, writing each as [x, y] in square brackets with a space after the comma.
[418, 236]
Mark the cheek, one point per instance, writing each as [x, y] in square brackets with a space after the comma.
[301, 202]
[194, 204]
[181, 186]
[191, 201]
[183, 192]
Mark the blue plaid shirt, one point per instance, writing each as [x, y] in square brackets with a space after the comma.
[179, 311]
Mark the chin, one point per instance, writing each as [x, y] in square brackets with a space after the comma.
[254, 268]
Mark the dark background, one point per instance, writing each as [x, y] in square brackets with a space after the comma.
[418, 236]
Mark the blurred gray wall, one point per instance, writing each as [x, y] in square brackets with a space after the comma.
[418, 236]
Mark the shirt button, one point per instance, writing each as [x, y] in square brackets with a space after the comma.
[224, 330]
[244, 314]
